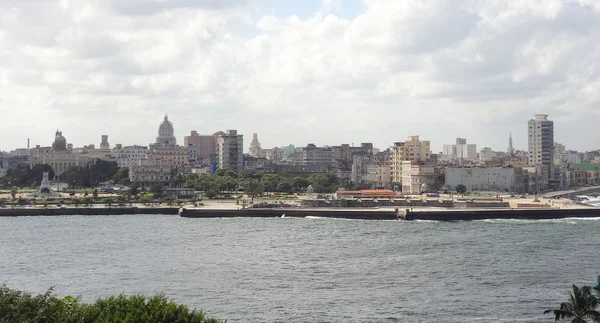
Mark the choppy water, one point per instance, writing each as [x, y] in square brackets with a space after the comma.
[309, 270]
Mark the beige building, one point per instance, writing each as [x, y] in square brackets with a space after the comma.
[413, 149]
[418, 177]
[379, 176]
[206, 145]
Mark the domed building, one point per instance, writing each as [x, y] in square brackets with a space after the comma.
[166, 134]
[58, 156]
[60, 142]
[164, 159]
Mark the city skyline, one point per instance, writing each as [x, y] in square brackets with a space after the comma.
[247, 146]
[324, 72]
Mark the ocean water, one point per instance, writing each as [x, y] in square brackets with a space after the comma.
[309, 270]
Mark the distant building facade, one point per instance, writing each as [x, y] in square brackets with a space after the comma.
[230, 150]
[541, 144]
[412, 149]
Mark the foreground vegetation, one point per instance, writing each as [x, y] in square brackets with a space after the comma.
[20, 307]
[580, 308]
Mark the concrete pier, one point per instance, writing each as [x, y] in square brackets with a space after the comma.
[338, 213]
[9, 212]
[486, 214]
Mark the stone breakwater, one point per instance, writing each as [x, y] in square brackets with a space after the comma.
[489, 214]
[454, 214]
[85, 211]
[348, 213]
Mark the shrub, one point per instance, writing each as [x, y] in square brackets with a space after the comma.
[20, 307]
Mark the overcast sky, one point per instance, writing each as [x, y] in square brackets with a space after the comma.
[326, 72]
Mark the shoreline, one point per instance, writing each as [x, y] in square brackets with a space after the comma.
[407, 214]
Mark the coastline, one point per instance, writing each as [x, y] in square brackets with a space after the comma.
[226, 209]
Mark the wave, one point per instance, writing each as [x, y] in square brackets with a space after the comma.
[573, 220]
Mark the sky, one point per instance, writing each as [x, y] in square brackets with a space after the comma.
[296, 72]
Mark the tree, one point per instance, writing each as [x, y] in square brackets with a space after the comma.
[122, 176]
[76, 202]
[285, 187]
[581, 307]
[270, 181]
[248, 174]
[254, 188]
[211, 193]
[109, 202]
[88, 201]
[134, 189]
[157, 190]
[461, 189]
[299, 183]
[20, 307]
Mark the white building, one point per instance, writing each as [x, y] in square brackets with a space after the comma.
[230, 150]
[485, 179]
[132, 155]
[275, 154]
[541, 144]
[460, 151]
[541, 140]
[313, 155]
[487, 154]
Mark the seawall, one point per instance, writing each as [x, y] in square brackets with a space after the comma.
[521, 214]
[292, 213]
[85, 211]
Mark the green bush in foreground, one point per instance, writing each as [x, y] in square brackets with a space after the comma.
[20, 307]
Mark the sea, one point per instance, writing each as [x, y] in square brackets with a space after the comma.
[311, 269]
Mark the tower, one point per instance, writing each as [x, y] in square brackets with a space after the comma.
[254, 146]
[511, 149]
[104, 143]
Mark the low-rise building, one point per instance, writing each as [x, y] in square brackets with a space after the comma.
[418, 177]
[509, 179]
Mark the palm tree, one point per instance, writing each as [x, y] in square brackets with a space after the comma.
[580, 307]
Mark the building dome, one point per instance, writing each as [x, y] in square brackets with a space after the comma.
[166, 128]
[166, 134]
[60, 142]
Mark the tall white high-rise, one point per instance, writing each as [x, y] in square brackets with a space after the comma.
[541, 141]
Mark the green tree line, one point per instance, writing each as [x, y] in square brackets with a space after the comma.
[20, 307]
[255, 183]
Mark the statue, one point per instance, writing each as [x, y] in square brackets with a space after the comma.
[45, 189]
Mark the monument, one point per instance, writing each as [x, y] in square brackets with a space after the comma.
[45, 189]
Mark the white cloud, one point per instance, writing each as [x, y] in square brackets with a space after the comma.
[440, 69]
